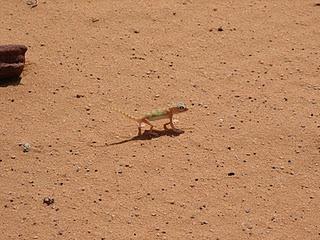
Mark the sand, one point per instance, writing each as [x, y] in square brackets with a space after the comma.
[247, 164]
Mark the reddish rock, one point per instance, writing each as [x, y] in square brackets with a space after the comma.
[12, 59]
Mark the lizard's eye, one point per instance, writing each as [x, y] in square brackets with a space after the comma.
[181, 107]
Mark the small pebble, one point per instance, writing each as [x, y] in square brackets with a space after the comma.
[94, 20]
[26, 147]
[48, 200]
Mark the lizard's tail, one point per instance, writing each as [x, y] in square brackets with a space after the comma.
[125, 114]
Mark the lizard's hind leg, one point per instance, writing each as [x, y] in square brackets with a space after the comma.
[165, 126]
[147, 122]
[139, 128]
[151, 127]
[141, 123]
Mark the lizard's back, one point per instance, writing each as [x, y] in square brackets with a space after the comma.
[157, 114]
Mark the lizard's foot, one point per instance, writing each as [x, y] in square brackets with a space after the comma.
[177, 130]
[165, 127]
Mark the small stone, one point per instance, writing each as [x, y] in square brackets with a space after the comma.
[32, 3]
[220, 29]
[231, 174]
[26, 147]
[48, 200]
[12, 59]
[94, 20]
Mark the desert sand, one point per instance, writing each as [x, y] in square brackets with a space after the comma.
[247, 164]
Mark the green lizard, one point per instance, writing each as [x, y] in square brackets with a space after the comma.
[158, 114]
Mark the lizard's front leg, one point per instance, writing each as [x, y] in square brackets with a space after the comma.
[172, 126]
[170, 122]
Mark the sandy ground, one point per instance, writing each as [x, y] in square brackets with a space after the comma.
[247, 165]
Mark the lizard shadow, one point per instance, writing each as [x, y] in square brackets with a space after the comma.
[147, 135]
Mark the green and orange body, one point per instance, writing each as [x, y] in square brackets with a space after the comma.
[158, 114]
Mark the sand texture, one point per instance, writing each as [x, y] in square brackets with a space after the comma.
[247, 164]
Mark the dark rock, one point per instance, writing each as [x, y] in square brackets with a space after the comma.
[12, 59]
[48, 200]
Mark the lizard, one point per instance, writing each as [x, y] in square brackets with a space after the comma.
[157, 114]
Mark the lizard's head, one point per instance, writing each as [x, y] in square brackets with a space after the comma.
[179, 108]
